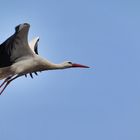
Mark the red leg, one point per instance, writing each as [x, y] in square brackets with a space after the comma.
[8, 81]
[5, 81]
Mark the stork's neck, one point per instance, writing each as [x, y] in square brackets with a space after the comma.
[47, 65]
[53, 66]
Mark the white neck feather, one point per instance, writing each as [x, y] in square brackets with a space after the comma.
[47, 65]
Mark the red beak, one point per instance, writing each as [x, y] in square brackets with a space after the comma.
[79, 66]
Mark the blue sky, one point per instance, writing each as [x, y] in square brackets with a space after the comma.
[100, 103]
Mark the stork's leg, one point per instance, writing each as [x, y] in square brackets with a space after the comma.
[8, 82]
[5, 81]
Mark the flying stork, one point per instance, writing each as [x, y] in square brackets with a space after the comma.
[19, 58]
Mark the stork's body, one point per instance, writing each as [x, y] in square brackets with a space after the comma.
[18, 57]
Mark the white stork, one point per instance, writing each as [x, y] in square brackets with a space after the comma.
[18, 57]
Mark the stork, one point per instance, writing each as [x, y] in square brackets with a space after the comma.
[19, 58]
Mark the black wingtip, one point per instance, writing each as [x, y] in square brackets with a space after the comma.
[31, 75]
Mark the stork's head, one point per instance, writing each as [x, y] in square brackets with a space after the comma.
[24, 26]
[69, 64]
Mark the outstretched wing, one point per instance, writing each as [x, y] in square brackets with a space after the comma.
[15, 47]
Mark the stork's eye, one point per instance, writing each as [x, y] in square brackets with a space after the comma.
[70, 62]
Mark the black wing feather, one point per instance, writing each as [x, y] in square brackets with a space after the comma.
[15, 47]
[36, 49]
[5, 50]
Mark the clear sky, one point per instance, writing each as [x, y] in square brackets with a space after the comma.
[100, 103]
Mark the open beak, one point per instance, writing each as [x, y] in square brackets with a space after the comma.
[74, 65]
